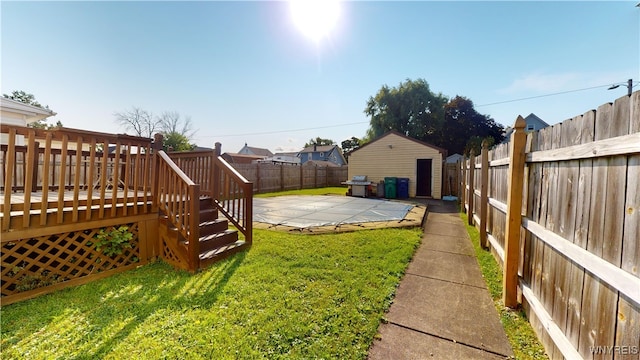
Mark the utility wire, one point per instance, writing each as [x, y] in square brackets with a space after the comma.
[545, 95]
[366, 122]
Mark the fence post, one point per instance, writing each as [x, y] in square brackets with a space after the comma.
[463, 182]
[281, 177]
[472, 168]
[514, 214]
[258, 177]
[484, 186]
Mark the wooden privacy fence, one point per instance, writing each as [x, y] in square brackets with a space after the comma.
[560, 210]
[279, 177]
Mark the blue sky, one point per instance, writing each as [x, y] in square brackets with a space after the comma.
[243, 72]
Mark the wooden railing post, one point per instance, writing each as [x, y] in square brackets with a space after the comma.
[484, 187]
[514, 214]
[194, 222]
[472, 167]
[215, 171]
[155, 174]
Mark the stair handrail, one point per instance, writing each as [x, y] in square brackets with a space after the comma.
[233, 196]
[178, 197]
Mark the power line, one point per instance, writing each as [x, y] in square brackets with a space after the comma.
[288, 131]
[545, 95]
[366, 122]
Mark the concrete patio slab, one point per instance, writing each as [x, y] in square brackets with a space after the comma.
[456, 268]
[442, 308]
[456, 245]
[400, 343]
[460, 313]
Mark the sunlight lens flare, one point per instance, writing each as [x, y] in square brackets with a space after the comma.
[315, 18]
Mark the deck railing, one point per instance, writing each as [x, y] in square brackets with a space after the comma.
[88, 174]
[232, 193]
[178, 197]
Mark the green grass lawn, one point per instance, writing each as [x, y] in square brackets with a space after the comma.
[289, 296]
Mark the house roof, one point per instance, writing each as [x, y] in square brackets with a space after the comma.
[234, 158]
[534, 117]
[257, 151]
[394, 132]
[318, 148]
[30, 112]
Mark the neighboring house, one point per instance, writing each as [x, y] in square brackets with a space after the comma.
[232, 158]
[282, 158]
[452, 159]
[533, 123]
[248, 150]
[14, 112]
[328, 153]
[396, 155]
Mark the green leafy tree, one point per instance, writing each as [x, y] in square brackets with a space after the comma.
[175, 141]
[464, 128]
[30, 99]
[350, 144]
[411, 109]
[319, 142]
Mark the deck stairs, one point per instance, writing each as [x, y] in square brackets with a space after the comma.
[217, 240]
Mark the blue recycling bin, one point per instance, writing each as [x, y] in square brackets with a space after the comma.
[403, 188]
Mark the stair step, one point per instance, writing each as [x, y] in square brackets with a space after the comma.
[208, 215]
[206, 203]
[209, 257]
[213, 226]
[217, 240]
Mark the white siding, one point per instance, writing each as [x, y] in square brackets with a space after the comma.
[394, 155]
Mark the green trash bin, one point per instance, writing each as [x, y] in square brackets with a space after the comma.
[390, 184]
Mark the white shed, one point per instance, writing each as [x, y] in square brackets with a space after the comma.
[396, 155]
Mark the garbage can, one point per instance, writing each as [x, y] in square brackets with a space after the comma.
[403, 188]
[390, 184]
[380, 189]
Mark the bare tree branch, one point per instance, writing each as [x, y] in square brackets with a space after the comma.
[140, 121]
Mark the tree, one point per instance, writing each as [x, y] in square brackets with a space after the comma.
[411, 109]
[350, 144]
[464, 128]
[319, 142]
[24, 97]
[170, 122]
[174, 141]
[177, 132]
[140, 121]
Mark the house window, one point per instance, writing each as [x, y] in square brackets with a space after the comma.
[531, 127]
[321, 154]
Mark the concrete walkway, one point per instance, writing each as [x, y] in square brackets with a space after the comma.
[442, 309]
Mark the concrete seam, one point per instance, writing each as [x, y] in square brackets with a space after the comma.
[447, 339]
[447, 281]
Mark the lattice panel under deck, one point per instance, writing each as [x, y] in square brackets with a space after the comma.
[42, 261]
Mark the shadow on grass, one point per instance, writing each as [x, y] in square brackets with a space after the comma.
[93, 319]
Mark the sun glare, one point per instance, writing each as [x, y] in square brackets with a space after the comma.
[315, 18]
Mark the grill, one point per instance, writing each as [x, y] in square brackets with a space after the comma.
[358, 185]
